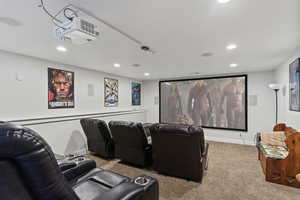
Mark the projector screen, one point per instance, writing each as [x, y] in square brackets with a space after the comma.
[214, 102]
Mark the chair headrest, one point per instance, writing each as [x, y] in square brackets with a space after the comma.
[177, 129]
[16, 140]
[36, 161]
[91, 120]
[125, 124]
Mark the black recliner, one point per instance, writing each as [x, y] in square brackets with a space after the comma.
[131, 144]
[179, 150]
[99, 137]
[29, 171]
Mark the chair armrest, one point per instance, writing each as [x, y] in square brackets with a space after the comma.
[147, 128]
[79, 170]
[67, 165]
[204, 154]
[148, 152]
[258, 138]
[123, 191]
[148, 147]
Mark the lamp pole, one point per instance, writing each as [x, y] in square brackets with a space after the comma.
[276, 94]
[276, 88]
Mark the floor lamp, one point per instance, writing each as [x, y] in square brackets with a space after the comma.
[276, 88]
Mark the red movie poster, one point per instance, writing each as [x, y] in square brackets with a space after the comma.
[60, 89]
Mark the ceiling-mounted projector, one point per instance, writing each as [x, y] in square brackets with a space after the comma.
[78, 31]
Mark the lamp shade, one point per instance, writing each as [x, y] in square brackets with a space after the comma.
[274, 86]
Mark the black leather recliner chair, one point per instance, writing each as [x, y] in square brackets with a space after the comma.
[99, 137]
[131, 144]
[179, 150]
[29, 171]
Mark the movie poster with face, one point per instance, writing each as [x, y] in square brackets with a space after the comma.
[136, 94]
[60, 89]
[216, 102]
[111, 89]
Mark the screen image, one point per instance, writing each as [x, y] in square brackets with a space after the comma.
[60, 89]
[215, 102]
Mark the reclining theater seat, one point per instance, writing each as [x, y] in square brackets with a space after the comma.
[179, 150]
[29, 171]
[131, 144]
[99, 137]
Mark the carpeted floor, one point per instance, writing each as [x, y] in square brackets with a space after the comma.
[234, 173]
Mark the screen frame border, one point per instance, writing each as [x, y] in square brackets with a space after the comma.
[213, 77]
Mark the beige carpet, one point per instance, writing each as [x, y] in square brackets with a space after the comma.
[100, 162]
[234, 173]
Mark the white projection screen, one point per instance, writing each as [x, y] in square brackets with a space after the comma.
[214, 102]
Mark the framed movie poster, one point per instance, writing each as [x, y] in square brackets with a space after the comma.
[295, 85]
[136, 94]
[60, 89]
[214, 102]
[111, 89]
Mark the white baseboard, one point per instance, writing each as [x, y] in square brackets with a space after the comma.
[230, 140]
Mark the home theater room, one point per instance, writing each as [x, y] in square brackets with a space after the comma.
[150, 100]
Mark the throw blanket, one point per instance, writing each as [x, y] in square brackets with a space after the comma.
[273, 144]
[276, 138]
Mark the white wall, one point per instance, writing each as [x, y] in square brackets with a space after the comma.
[28, 98]
[292, 118]
[260, 117]
[149, 92]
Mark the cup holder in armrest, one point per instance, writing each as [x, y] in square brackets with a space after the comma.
[79, 159]
[141, 181]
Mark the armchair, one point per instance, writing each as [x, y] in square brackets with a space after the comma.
[131, 144]
[99, 137]
[179, 150]
[31, 172]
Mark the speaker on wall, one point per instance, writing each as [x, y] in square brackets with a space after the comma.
[284, 90]
[156, 100]
[253, 100]
[91, 90]
[19, 77]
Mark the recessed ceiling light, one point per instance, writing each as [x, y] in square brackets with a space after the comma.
[136, 65]
[146, 74]
[207, 54]
[233, 65]
[224, 1]
[231, 47]
[61, 49]
[117, 65]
